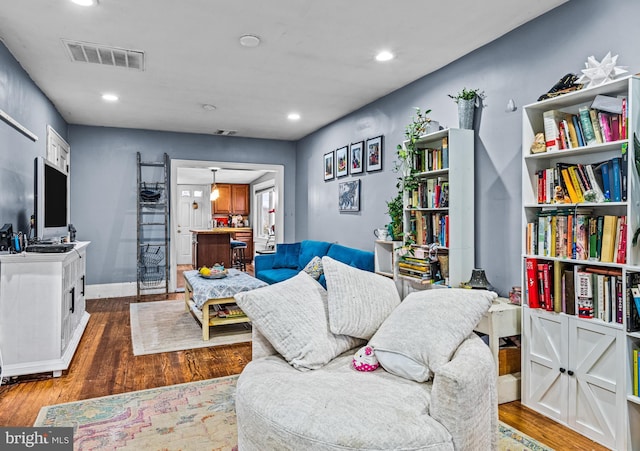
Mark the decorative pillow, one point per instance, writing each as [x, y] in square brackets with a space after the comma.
[292, 315]
[286, 256]
[359, 301]
[314, 268]
[422, 334]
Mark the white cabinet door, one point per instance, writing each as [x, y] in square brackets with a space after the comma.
[571, 373]
[57, 150]
[544, 387]
[595, 385]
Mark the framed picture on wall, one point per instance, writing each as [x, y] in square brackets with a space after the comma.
[355, 160]
[373, 153]
[349, 195]
[342, 163]
[328, 165]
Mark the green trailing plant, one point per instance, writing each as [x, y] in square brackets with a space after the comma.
[407, 181]
[395, 211]
[467, 94]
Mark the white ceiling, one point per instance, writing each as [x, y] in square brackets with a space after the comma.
[316, 57]
[198, 175]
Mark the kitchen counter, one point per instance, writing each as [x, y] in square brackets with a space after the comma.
[211, 246]
[223, 230]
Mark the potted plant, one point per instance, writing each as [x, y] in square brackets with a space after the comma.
[467, 100]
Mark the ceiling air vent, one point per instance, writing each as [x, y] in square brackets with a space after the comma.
[85, 52]
[226, 132]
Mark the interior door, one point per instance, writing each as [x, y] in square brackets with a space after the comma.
[194, 212]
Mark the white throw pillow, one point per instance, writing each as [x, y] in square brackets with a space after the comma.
[359, 301]
[293, 316]
[422, 334]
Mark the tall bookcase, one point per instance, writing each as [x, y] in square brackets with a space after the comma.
[454, 149]
[575, 369]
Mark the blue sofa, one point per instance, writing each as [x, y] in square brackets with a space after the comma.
[291, 258]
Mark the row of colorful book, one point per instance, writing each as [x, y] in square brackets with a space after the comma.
[431, 193]
[432, 159]
[589, 127]
[588, 292]
[429, 228]
[576, 183]
[578, 235]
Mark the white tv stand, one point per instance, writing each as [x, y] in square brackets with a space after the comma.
[42, 310]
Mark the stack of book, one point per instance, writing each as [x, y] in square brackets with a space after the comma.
[431, 193]
[429, 228]
[588, 292]
[228, 311]
[415, 267]
[605, 121]
[578, 235]
[572, 183]
[432, 159]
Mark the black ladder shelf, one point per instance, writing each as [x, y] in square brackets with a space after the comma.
[153, 226]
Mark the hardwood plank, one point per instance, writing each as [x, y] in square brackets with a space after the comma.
[104, 364]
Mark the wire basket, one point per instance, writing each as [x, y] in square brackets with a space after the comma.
[151, 276]
[150, 193]
[151, 255]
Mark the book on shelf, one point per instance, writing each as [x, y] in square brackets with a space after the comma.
[595, 124]
[633, 302]
[577, 126]
[636, 374]
[584, 293]
[531, 268]
[587, 126]
[445, 152]
[551, 130]
[624, 162]
[569, 295]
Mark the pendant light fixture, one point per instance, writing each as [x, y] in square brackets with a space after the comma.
[215, 192]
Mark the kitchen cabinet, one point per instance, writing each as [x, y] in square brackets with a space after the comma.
[246, 236]
[222, 205]
[240, 199]
[234, 199]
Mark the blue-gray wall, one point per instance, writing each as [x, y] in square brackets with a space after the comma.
[521, 65]
[103, 185]
[21, 99]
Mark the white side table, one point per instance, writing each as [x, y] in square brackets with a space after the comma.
[502, 320]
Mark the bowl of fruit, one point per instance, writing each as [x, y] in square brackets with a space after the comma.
[217, 271]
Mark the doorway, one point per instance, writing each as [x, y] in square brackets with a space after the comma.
[180, 237]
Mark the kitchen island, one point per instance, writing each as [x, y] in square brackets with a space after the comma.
[211, 246]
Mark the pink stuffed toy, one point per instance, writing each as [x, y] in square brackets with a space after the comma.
[365, 360]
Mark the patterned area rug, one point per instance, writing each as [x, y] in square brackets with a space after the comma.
[192, 416]
[165, 326]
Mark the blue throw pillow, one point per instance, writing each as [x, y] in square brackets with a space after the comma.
[287, 256]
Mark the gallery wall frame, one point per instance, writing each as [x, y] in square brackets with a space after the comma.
[373, 154]
[356, 162]
[329, 165]
[349, 196]
[342, 161]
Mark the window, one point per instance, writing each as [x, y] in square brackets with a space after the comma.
[266, 213]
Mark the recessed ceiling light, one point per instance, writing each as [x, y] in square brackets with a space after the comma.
[110, 97]
[85, 2]
[293, 116]
[208, 107]
[249, 40]
[384, 56]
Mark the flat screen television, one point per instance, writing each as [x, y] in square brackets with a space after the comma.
[51, 201]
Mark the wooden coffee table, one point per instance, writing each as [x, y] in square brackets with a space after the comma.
[200, 294]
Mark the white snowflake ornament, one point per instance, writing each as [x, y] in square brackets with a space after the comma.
[598, 73]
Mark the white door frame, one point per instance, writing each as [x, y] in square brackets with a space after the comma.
[177, 163]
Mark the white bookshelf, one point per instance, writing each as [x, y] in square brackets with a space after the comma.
[460, 210]
[578, 371]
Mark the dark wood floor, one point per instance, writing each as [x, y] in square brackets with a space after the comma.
[104, 364]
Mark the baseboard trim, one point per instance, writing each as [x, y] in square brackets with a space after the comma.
[111, 290]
